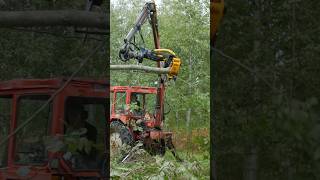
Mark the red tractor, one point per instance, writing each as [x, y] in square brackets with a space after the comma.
[133, 118]
[39, 129]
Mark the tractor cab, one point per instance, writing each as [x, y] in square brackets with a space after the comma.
[134, 117]
[49, 130]
[134, 103]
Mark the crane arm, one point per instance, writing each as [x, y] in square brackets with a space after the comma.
[165, 58]
[127, 51]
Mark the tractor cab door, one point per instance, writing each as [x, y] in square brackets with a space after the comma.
[30, 140]
[142, 103]
[84, 129]
[119, 103]
[137, 101]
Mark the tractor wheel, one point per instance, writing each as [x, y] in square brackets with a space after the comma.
[120, 136]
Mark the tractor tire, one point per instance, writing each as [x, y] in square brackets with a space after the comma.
[119, 136]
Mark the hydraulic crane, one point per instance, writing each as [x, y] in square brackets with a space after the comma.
[164, 57]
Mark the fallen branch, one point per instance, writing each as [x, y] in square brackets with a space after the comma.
[53, 18]
[140, 68]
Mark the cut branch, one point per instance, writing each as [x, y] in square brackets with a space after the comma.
[53, 18]
[140, 68]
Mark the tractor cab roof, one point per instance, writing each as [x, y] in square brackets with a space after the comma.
[49, 84]
[135, 89]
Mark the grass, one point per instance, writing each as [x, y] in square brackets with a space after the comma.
[195, 165]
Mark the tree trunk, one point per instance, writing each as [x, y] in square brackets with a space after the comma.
[189, 137]
[251, 165]
[188, 113]
[53, 18]
[177, 119]
[289, 169]
[140, 68]
[251, 162]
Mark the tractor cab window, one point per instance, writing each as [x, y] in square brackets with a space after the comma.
[150, 103]
[137, 103]
[85, 124]
[142, 103]
[5, 111]
[30, 148]
[120, 102]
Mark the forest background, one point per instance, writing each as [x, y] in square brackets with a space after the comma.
[266, 91]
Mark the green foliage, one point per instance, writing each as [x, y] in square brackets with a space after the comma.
[26, 53]
[71, 142]
[203, 143]
[158, 167]
[280, 120]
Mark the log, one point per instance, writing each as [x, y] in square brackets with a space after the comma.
[140, 68]
[53, 18]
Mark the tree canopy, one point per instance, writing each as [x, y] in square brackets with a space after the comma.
[45, 52]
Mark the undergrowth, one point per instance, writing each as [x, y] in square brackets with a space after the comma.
[144, 166]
